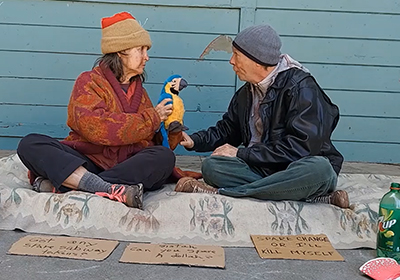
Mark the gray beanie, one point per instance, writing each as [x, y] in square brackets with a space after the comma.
[260, 43]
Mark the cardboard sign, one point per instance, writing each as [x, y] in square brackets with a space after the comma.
[196, 255]
[299, 247]
[63, 247]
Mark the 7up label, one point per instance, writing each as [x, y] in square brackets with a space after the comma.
[385, 225]
[388, 228]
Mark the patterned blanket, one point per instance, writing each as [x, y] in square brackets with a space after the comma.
[171, 217]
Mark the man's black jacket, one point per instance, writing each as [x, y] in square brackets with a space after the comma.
[298, 120]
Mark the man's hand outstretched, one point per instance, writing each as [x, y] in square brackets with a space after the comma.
[187, 142]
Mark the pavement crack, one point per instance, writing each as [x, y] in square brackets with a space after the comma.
[69, 271]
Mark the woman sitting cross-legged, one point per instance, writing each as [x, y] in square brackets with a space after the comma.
[110, 149]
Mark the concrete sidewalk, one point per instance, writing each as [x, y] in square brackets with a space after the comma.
[241, 263]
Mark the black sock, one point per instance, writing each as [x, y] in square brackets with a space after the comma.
[90, 182]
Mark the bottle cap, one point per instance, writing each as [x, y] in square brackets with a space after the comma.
[395, 186]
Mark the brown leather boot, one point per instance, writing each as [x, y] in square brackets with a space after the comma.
[191, 185]
[338, 198]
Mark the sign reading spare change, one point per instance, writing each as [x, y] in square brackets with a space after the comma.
[63, 247]
[300, 247]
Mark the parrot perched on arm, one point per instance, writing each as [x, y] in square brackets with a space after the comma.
[174, 123]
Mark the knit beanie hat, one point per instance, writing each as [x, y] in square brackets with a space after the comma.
[121, 32]
[260, 43]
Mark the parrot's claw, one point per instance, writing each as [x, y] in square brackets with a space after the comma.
[176, 126]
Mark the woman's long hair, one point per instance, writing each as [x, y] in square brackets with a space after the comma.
[112, 61]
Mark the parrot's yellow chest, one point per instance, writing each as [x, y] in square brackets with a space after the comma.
[178, 111]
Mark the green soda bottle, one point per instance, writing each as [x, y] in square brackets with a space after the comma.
[388, 236]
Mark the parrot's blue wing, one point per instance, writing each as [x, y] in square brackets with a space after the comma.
[163, 131]
[164, 95]
[164, 135]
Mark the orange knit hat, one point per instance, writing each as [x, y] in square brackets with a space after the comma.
[121, 32]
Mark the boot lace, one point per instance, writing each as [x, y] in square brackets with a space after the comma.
[117, 193]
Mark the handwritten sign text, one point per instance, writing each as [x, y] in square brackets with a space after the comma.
[307, 247]
[196, 255]
[63, 247]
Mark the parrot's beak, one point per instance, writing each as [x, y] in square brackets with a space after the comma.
[182, 84]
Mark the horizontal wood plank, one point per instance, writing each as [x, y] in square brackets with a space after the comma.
[366, 104]
[361, 129]
[57, 93]
[22, 116]
[152, 17]
[196, 98]
[217, 73]
[369, 152]
[328, 24]
[66, 66]
[87, 41]
[189, 46]
[19, 130]
[195, 3]
[9, 143]
[35, 91]
[342, 51]
[18, 120]
[199, 98]
[359, 78]
[367, 130]
[358, 6]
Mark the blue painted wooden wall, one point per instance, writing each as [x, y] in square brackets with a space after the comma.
[351, 47]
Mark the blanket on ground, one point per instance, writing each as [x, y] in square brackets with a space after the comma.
[171, 217]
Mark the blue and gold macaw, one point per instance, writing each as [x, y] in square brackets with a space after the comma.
[174, 123]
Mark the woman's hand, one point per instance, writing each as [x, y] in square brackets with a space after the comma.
[164, 110]
[187, 142]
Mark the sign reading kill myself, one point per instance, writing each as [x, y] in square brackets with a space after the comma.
[300, 247]
[63, 247]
